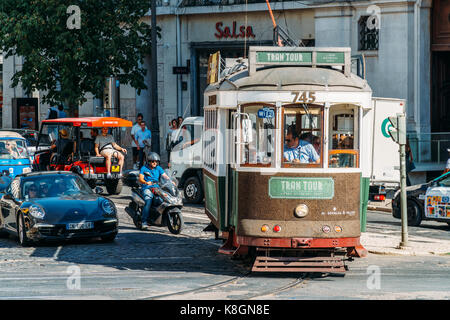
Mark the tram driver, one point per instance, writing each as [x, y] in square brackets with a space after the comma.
[298, 150]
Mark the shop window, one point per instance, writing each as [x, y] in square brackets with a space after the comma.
[302, 135]
[368, 37]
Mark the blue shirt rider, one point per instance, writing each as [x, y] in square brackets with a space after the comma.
[150, 181]
[299, 151]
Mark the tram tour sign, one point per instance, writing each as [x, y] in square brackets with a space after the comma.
[301, 188]
[266, 56]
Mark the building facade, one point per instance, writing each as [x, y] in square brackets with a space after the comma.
[406, 45]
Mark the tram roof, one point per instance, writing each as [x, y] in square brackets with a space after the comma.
[291, 78]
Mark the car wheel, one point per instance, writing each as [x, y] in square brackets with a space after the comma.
[22, 231]
[414, 213]
[193, 191]
[113, 186]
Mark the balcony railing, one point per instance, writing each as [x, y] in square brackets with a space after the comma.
[430, 147]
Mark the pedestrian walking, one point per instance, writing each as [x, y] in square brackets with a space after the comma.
[180, 121]
[136, 127]
[141, 135]
[52, 113]
[61, 112]
[410, 166]
[173, 127]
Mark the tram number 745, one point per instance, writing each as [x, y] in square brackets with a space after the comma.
[304, 97]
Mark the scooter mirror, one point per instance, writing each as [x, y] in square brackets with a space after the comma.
[147, 174]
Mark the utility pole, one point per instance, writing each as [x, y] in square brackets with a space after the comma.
[154, 86]
[399, 136]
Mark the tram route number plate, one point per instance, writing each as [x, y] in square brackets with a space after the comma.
[301, 188]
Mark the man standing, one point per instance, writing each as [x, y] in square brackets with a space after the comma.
[107, 148]
[141, 135]
[61, 112]
[136, 127]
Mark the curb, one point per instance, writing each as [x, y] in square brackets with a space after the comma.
[373, 208]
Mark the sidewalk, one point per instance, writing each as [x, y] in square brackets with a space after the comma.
[377, 243]
[382, 243]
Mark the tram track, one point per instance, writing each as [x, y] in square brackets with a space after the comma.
[232, 281]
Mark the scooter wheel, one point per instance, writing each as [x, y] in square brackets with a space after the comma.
[175, 222]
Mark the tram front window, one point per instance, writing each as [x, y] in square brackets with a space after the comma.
[259, 151]
[343, 151]
[302, 135]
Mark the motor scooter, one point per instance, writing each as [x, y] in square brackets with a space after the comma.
[165, 209]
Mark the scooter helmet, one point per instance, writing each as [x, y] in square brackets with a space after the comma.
[153, 156]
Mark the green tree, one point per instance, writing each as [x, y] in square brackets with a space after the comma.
[65, 60]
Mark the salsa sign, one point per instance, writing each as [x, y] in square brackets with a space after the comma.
[301, 188]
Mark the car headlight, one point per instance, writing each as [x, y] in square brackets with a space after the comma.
[37, 212]
[108, 207]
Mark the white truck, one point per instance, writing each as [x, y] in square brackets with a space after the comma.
[186, 159]
[186, 154]
[385, 164]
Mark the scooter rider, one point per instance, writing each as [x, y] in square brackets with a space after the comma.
[150, 181]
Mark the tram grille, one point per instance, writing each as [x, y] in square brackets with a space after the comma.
[274, 261]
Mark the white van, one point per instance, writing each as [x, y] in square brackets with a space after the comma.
[186, 159]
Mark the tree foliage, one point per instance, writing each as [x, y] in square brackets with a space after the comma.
[67, 63]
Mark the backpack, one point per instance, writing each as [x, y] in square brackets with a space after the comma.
[53, 114]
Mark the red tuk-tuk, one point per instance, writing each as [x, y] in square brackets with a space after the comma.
[78, 154]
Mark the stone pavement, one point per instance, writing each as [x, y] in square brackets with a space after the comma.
[381, 243]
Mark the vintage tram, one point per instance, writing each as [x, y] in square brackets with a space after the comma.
[286, 166]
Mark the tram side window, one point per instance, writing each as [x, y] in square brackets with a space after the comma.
[343, 151]
[302, 135]
[259, 151]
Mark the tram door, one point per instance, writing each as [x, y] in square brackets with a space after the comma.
[231, 180]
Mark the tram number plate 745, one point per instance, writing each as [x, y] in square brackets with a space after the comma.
[304, 97]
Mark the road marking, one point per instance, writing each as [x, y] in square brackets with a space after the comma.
[199, 216]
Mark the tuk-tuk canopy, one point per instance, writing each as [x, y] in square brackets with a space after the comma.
[10, 135]
[91, 122]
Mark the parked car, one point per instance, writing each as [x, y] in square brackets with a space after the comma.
[420, 196]
[14, 157]
[55, 206]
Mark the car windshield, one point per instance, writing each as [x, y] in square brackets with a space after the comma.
[32, 138]
[13, 149]
[47, 186]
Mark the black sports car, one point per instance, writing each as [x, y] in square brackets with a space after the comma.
[416, 200]
[54, 206]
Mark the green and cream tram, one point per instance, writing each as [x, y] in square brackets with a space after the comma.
[286, 166]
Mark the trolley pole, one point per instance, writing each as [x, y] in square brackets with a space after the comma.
[154, 79]
[398, 134]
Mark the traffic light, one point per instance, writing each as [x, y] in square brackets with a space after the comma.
[398, 129]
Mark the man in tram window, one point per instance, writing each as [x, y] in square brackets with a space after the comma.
[298, 150]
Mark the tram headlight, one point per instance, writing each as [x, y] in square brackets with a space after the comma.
[301, 211]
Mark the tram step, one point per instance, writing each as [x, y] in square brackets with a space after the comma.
[299, 264]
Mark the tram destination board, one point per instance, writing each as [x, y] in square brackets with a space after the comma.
[301, 188]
